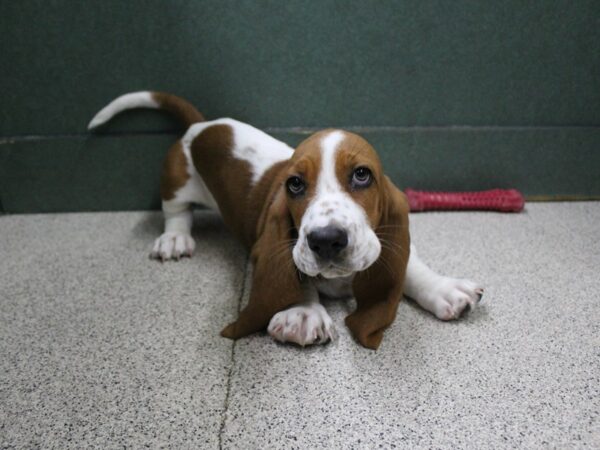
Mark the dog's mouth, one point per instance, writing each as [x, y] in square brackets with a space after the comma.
[327, 270]
[333, 269]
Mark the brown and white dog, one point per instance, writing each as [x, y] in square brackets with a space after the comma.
[321, 219]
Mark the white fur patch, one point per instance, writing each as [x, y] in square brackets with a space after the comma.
[334, 287]
[259, 149]
[142, 99]
[333, 206]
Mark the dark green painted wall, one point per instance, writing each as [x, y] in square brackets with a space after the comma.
[455, 95]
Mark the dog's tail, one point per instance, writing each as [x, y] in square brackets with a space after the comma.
[177, 106]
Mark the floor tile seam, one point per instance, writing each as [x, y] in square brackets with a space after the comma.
[232, 360]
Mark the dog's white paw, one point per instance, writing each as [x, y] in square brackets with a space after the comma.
[173, 245]
[303, 325]
[453, 296]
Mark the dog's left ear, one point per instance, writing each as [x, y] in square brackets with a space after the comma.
[378, 289]
[275, 279]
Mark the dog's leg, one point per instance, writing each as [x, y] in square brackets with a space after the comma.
[305, 324]
[177, 239]
[180, 186]
[445, 297]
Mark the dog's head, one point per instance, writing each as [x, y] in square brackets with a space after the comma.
[336, 194]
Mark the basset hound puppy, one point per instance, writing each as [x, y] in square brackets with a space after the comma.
[322, 219]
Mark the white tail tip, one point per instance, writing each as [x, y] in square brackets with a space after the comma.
[142, 99]
[98, 120]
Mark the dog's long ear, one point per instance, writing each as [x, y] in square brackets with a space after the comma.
[275, 280]
[379, 288]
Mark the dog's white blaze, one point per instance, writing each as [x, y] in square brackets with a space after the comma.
[142, 99]
[327, 182]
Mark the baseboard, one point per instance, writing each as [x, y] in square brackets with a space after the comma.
[121, 171]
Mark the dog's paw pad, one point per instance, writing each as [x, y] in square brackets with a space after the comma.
[172, 246]
[303, 325]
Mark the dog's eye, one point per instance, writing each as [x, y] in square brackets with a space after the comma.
[361, 177]
[295, 186]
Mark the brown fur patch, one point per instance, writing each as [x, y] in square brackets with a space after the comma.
[378, 289]
[174, 173]
[275, 282]
[260, 197]
[228, 179]
[183, 110]
[305, 163]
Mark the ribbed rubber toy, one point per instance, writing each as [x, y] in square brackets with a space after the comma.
[504, 200]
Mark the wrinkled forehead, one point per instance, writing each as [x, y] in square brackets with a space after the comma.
[342, 148]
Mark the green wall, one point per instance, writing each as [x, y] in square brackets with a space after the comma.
[455, 95]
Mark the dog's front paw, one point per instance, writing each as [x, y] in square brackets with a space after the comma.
[173, 245]
[303, 325]
[453, 296]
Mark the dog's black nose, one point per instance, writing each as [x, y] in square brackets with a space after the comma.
[327, 242]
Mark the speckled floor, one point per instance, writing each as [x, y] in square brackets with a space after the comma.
[102, 347]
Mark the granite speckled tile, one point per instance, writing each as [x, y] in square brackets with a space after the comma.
[521, 371]
[104, 347]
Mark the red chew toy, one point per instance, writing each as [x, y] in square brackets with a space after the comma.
[505, 200]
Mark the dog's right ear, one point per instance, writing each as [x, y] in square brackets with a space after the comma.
[275, 279]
